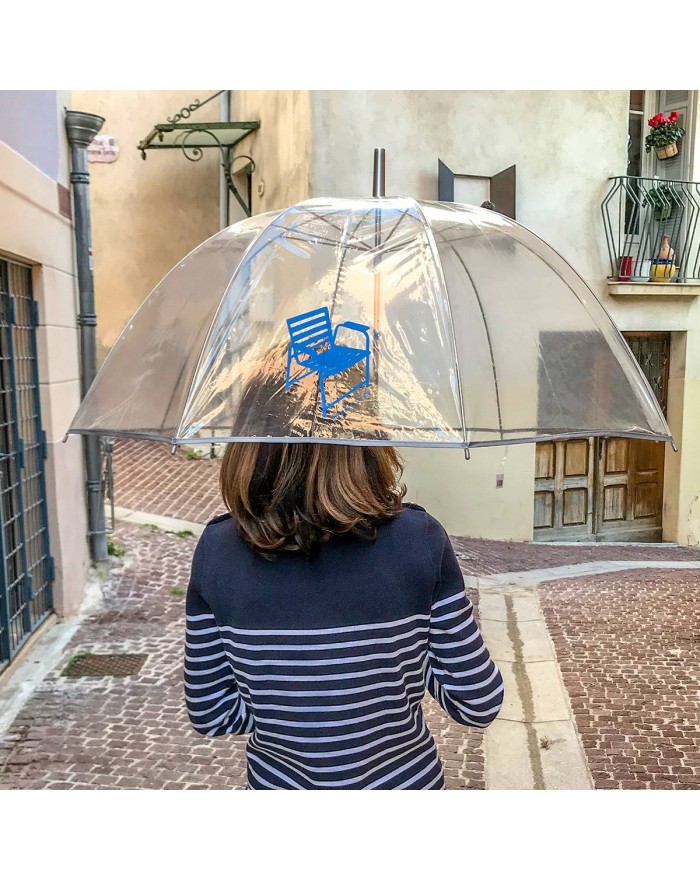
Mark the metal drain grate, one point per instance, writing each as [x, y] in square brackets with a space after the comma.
[117, 665]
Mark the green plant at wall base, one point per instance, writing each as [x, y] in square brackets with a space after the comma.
[662, 199]
[194, 454]
[185, 533]
[664, 131]
[114, 548]
[177, 591]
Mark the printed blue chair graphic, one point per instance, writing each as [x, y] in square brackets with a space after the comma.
[313, 346]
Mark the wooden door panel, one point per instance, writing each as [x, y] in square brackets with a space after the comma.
[544, 510]
[575, 507]
[646, 500]
[614, 503]
[617, 455]
[646, 456]
[544, 461]
[576, 458]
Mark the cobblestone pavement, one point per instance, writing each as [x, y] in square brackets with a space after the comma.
[133, 732]
[149, 478]
[628, 646]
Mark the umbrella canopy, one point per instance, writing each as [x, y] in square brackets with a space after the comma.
[382, 320]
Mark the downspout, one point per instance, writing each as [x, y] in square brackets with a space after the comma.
[225, 116]
[81, 128]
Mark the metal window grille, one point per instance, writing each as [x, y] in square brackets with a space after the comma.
[26, 568]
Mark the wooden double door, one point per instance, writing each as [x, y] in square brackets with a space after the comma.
[599, 489]
[606, 488]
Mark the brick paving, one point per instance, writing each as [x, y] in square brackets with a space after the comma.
[133, 732]
[628, 645]
[148, 477]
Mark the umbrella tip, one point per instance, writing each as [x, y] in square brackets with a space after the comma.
[379, 176]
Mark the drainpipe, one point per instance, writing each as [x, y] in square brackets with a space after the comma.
[225, 116]
[81, 128]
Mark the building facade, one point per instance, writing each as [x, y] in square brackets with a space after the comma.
[558, 153]
[569, 165]
[43, 528]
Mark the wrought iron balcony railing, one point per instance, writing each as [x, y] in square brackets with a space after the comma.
[637, 213]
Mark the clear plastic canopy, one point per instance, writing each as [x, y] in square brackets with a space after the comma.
[362, 321]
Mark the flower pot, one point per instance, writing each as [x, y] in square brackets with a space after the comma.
[663, 212]
[667, 152]
[663, 270]
[626, 264]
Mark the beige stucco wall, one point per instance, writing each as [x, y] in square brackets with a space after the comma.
[281, 148]
[561, 178]
[33, 232]
[146, 215]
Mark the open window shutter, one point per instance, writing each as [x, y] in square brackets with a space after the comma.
[446, 183]
[678, 167]
[503, 192]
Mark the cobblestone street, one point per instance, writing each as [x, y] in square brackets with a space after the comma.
[628, 646]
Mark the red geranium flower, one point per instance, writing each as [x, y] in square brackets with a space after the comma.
[673, 116]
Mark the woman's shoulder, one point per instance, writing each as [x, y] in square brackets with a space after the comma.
[221, 526]
[417, 517]
[222, 517]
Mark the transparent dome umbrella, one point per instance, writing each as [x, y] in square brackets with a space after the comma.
[372, 321]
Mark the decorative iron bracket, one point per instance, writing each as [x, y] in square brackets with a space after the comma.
[192, 138]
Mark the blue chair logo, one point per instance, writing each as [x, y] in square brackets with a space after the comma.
[313, 346]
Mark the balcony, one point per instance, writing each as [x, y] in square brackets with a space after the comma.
[638, 212]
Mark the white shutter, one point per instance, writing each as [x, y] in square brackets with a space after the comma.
[677, 168]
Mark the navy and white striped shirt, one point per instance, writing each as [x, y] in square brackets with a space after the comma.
[325, 662]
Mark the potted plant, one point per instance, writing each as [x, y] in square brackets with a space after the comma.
[662, 199]
[664, 135]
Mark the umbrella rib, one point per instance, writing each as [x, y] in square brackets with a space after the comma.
[325, 220]
[341, 262]
[247, 255]
[488, 338]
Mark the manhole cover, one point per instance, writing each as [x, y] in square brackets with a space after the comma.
[104, 664]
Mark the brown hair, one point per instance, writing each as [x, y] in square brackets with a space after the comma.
[294, 496]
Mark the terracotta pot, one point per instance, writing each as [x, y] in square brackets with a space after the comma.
[667, 152]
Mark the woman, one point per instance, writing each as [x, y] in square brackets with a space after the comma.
[318, 612]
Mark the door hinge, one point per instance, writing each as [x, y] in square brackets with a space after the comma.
[34, 312]
[50, 569]
[42, 444]
[20, 453]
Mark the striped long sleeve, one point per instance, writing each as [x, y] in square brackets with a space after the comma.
[460, 673]
[213, 701]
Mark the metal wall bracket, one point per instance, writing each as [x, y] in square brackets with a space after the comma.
[192, 138]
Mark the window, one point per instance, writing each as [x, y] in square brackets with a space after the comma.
[635, 147]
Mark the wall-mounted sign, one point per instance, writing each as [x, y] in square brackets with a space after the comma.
[104, 148]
